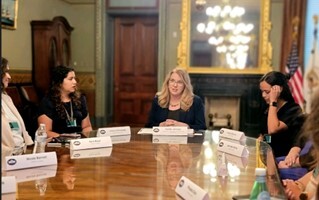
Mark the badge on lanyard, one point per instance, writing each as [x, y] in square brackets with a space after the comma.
[14, 126]
[71, 122]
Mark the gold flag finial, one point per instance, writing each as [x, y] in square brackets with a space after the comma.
[295, 25]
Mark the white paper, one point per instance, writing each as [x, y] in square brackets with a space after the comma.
[232, 134]
[188, 190]
[167, 130]
[8, 184]
[91, 143]
[232, 148]
[116, 139]
[112, 131]
[30, 160]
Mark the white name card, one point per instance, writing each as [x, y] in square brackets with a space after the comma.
[151, 131]
[233, 135]
[8, 185]
[91, 143]
[112, 131]
[91, 153]
[170, 130]
[232, 148]
[116, 139]
[240, 162]
[169, 139]
[32, 174]
[188, 190]
[30, 160]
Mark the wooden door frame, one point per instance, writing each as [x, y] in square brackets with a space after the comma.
[109, 55]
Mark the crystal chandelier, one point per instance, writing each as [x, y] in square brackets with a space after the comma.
[228, 33]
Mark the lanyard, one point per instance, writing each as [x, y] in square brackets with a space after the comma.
[70, 119]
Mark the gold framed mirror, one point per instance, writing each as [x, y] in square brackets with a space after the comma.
[244, 48]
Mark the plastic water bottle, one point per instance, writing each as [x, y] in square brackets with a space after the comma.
[40, 139]
[260, 190]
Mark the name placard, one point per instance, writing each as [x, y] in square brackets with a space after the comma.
[169, 139]
[168, 131]
[232, 148]
[91, 143]
[188, 190]
[91, 153]
[30, 160]
[233, 135]
[32, 174]
[116, 139]
[112, 131]
[240, 162]
[8, 185]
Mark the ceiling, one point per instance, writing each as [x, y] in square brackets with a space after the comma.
[79, 1]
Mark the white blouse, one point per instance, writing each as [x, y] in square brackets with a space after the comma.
[15, 128]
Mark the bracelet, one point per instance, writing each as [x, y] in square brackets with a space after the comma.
[300, 186]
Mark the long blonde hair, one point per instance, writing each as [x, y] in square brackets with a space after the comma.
[187, 95]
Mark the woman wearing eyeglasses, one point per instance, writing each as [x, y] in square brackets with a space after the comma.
[176, 104]
[14, 136]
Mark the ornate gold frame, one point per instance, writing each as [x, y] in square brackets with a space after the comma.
[265, 47]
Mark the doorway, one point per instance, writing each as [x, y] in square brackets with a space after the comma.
[135, 68]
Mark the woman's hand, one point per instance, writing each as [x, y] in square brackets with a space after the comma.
[171, 122]
[274, 93]
[292, 157]
[292, 190]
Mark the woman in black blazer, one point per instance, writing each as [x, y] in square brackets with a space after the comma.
[176, 104]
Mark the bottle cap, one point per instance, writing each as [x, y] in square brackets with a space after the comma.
[260, 172]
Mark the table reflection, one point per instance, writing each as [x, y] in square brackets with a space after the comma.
[66, 173]
[175, 159]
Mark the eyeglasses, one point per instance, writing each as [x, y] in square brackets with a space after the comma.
[173, 82]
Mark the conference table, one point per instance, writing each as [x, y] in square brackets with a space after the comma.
[142, 169]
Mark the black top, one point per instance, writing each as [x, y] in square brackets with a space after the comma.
[61, 125]
[281, 142]
[194, 117]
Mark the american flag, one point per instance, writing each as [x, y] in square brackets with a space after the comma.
[296, 79]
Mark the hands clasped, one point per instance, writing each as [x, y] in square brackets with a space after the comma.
[171, 122]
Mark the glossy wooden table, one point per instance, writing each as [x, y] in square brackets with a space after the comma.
[140, 169]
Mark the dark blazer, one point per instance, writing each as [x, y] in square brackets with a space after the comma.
[194, 117]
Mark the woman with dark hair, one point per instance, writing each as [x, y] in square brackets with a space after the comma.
[176, 104]
[283, 118]
[64, 109]
[14, 136]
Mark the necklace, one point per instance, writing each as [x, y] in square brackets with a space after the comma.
[174, 105]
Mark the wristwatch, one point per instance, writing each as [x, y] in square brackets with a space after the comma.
[273, 104]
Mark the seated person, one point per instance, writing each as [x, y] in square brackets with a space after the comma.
[176, 104]
[307, 185]
[64, 109]
[282, 119]
[14, 137]
[298, 162]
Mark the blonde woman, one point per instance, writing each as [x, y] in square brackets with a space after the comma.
[176, 104]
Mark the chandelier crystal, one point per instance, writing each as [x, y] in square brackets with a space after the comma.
[228, 33]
